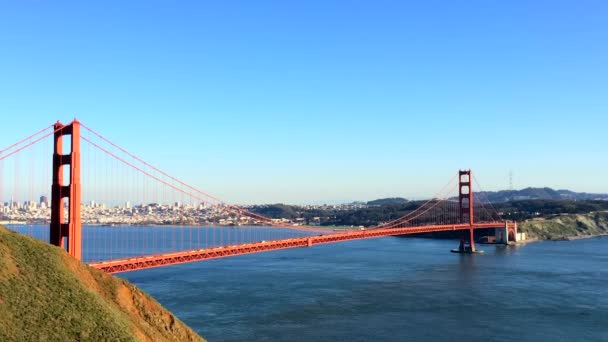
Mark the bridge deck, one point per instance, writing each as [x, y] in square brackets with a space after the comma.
[138, 263]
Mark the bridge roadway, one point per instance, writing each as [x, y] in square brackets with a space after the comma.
[138, 263]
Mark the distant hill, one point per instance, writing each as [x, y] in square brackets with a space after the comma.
[388, 201]
[45, 295]
[539, 193]
[276, 210]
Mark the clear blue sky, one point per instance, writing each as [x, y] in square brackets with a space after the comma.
[313, 101]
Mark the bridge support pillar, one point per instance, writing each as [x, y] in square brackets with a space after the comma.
[467, 213]
[70, 227]
[472, 240]
[502, 234]
[465, 196]
[507, 234]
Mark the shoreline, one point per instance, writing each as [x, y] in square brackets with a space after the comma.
[577, 237]
[564, 238]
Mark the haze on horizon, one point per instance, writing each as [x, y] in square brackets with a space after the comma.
[321, 101]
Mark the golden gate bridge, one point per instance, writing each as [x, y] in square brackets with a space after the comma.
[87, 165]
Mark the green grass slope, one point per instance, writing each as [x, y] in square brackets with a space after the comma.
[45, 295]
[567, 226]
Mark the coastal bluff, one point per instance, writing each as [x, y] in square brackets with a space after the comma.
[45, 295]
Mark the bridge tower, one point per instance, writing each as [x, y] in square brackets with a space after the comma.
[465, 199]
[69, 227]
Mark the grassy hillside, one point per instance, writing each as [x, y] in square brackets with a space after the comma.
[566, 226]
[45, 295]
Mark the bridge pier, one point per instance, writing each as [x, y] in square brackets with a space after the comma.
[502, 235]
[507, 234]
[468, 238]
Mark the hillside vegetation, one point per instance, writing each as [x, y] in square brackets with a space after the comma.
[45, 295]
[388, 201]
[567, 226]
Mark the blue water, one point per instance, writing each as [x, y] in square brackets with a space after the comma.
[101, 243]
[393, 289]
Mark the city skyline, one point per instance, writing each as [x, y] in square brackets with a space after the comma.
[322, 102]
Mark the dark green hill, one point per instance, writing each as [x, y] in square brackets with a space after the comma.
[45, 295]
[388, 201]
[539, 194]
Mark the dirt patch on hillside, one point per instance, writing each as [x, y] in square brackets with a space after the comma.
[150, 321]
[8, 267]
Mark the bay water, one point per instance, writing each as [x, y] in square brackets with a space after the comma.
[393, 289]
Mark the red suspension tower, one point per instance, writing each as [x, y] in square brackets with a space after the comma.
[465, 198]
[66, 227]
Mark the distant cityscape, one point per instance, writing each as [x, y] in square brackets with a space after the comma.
[94, 213]
[515, 204]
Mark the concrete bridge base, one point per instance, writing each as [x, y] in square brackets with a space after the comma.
[507, 234]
